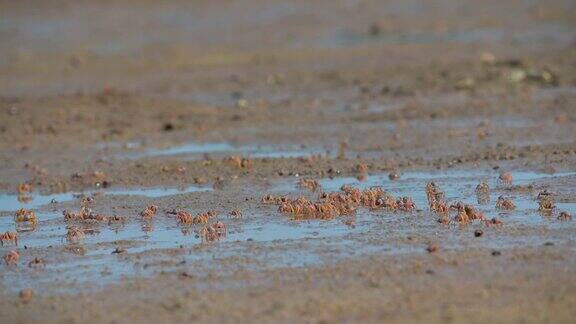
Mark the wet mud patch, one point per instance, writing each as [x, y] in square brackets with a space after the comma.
[263, 238]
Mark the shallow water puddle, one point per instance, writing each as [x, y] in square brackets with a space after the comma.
[418, 180]
[196, 150]
[165, 232]
[346, 37]
[459, 185]
[12, 202]
[265, 239]
[146, 239]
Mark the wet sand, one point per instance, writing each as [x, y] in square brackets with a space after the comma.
[446, 91]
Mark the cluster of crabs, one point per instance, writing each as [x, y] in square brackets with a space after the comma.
[211, 229]
[327, 206]
[344, 203]
[330, 205]
[466, 213]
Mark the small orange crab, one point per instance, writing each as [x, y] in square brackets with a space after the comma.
[185, 217]
[506, 178]
[11, 257]
[505, 203]
[37, 262]
[116, 219]
[9, 237]
[286, 207]
[473, 213]
[483, 193]
[208, 234]
[150, 211]
[457, 205]
[346, 188]
[84, 213]
[220, 227]
[564, 216]
[24, 188]
[325, 210]
[86, 201]
[200, 180]
[442, 207]
[437, 202]
[201, 218]
[466, 213]
[240, 162]
[406, 204]
[69, 215]
[462, 218]
[362, 168]
[309, 184]
[236, 213]
[268, 199]
[483, 188]
[213, 232]
[546, 201]
[75, 235]
[23, 216]
[350, 223]
[444, 220]
[432, 191]
[493, 222]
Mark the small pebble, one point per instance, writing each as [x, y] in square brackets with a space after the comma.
[186, 275]
[119, 250]
[26, 295]
[432, 248]
[393, 176]
[496, 253]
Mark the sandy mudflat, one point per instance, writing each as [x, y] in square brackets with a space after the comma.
[134, 103]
